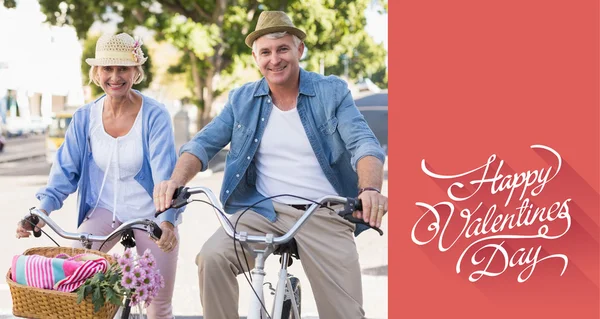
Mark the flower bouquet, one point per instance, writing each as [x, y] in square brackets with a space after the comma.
[131, 277]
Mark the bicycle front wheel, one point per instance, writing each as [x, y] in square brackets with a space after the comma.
[296, 292]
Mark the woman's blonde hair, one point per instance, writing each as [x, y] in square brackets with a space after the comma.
[141, 75]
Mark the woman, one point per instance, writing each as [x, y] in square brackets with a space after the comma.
[115, 149]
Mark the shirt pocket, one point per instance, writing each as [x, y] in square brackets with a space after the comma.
[239, 139]
[333, 145]
[329, 127]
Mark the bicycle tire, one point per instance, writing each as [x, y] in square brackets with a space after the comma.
[286, 312]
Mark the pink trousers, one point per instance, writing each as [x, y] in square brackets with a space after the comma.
[100, 224]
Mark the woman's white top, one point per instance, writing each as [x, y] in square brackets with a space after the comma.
[120, 159]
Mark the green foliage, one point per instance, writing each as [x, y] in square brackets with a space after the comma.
[211, 34]
[89, 51]
[103, 288]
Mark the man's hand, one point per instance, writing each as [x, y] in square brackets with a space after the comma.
[24, 228]
[374, 207]
[168, 240]
[163, 194]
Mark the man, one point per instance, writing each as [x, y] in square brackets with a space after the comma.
[293, 132]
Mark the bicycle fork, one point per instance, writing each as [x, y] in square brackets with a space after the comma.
[281, 293]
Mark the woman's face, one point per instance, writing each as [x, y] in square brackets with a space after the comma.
[116, 81]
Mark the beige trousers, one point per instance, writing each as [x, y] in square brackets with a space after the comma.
[327, 252]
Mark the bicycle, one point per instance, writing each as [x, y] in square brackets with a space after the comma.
[125, 230]
[287, 294]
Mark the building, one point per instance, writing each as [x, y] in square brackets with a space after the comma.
[40, 68]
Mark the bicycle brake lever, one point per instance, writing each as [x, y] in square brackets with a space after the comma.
[180, 198]
[156, 231]
[352, 205]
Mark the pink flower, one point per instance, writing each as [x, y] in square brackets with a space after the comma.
[122, 261]
[149, 281]
[134, 300]
[147, 254]
[141, 277]
[159, 280]
[142, 294]
[137, 52]
[127, 269]
[128, 254]
[128, 281]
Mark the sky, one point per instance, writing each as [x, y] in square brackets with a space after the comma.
[377, 26]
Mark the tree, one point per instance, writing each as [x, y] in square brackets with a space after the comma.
[211, 33]
[89, 50]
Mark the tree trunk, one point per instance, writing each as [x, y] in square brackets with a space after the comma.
[198, 89]
[208, 99]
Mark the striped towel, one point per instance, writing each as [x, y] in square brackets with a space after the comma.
[62, 273]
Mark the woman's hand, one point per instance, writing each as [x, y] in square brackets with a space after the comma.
[24, 227]
[168, 240]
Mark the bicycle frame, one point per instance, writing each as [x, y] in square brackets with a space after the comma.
[256, 310]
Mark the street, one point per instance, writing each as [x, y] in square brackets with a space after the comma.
[20, 179]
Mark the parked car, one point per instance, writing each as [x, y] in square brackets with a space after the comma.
[37, 125]
[367, 85]
[56, 134]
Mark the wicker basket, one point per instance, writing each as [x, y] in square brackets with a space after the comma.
[38, 303]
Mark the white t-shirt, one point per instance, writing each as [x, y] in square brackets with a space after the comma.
[286, 163]
[120, 159]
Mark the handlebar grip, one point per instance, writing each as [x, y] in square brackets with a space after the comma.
[180, 198]
[358, 205]
[32, 221]
[354, 204]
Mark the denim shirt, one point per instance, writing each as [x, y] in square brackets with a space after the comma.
[74, 167]
[336, 130]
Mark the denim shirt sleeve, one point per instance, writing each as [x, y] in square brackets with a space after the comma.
[161, 148]
[66, 168]
[354, 130]
[213, 137]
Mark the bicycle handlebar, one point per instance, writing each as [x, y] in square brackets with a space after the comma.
[182, 198]
[35, 215]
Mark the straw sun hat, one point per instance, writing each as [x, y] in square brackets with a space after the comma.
[120, 49]
[273, 21]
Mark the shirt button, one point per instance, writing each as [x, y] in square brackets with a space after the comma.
[248, 157]
[239, 125]
[227, 191]
[262, 119]
[237, 175]
[255, 140]
[269, 101]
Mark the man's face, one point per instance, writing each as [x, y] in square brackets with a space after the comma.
[278, 59]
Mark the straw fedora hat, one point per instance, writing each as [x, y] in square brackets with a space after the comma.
[273, 21]
[120, 49]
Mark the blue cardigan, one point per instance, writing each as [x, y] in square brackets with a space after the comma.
[71, 167]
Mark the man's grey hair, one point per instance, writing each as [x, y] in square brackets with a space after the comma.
[277, 35]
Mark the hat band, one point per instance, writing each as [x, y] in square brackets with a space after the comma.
[114, 55]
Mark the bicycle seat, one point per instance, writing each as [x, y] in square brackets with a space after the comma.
[291, 248]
